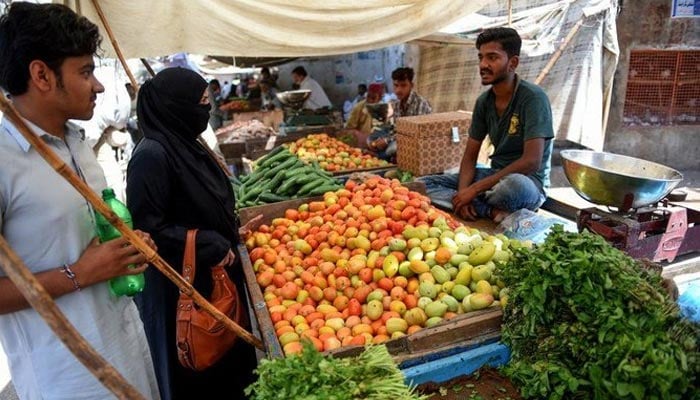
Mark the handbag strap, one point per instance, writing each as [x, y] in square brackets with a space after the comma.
[189, 263]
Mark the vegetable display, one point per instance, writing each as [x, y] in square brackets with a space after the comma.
[586, 321]
[281, 176]
[372, 375]
[332, 154]
[371, 262]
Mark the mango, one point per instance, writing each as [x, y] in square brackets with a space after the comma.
[434, 232]
[481, 273]
[465, 249]
[466, 303]
[452, 303]
[447, 234]
[396, 325]
[427, 289]
[447, 287]
[441, 222]
[415, 254]
[422, 302]
[384, 251]
[501, 256]
[464, 276]
[426, 277]
[484, 287]
[375, 295]
[430, 244]
[418, 266]
[452, 271]
[397, 335]
[415, 316]
[374, 310]
[480, 301]
[413, 243]
[495, 291]
[405, 269]
[440, 275]
[436, 309]
[390, 265]
[431, 262]
[372, 258]
[335, 323]
[432, 322]
[396, 244]
[459, 292]
[288, 337]
[461, 238]
[482, 254]
[462, 229]
[457, 259]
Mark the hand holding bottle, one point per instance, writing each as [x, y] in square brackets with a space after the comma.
[104, 261]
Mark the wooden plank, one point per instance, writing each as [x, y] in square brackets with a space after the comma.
[460, 328]
[358, 170]
[257, 303]
[418, 357]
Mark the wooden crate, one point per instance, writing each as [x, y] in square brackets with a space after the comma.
[462, 332]
[458, 332]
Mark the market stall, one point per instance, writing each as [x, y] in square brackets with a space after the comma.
[341, 264]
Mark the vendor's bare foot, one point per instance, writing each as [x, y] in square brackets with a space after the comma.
[498, 215]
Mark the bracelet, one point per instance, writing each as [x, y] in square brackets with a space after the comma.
[71, 275]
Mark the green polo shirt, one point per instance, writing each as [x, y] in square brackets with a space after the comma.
[528, 116]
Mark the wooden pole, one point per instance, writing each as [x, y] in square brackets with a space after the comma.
[38, 297]
[557, 54]
[510, 13]
[127, 232]
[147, 65]
[114, 44]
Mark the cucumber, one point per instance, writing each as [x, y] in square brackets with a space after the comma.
[269, 197]
[288, 163]
[280, 156]
[304, 190]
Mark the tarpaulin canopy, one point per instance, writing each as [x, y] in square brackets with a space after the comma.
[266, 28]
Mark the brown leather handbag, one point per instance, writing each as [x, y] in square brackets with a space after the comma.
[201, 339]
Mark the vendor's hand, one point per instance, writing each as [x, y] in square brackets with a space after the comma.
[103, 261]
[463, 198]
[250, 226]
[467, 212]
[228, 259]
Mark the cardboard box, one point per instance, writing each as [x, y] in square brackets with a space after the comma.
[425, 142]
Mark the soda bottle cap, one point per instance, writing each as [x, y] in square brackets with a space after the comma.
[108, 193]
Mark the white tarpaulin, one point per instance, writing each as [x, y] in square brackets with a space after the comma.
[283, 28]
[579, 85]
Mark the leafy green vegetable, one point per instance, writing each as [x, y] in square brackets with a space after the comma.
[586, 321]
[372, 375]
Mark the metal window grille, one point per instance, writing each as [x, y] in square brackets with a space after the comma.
[663, 88]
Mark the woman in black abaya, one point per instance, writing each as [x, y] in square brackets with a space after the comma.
[174, 185]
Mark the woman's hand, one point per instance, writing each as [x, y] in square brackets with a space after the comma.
[228, 260]
[250, 226]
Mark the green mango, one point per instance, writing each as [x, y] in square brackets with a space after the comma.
[434, 232]
[436, 309]
[427, 289]
[452, 303]
[441, 276]
[464, 276]
[432, 322]
[424, 301]
[458, 258]
[459, 292]
[396, 244]
[482, 254]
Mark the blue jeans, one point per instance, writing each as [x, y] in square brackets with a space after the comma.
[513, 192]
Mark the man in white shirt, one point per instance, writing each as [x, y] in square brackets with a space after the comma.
[318, 98]
[50, 225]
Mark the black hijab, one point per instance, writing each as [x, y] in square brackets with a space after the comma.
[169, 112]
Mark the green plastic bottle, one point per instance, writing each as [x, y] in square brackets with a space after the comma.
[126, 285]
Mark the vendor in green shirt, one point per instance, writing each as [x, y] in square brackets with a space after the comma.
[517, 117]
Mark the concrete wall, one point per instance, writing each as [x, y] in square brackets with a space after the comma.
[340, 75]
[646, 24]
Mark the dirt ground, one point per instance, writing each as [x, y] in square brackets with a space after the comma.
[485, 384]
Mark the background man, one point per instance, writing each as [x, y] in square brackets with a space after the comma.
[408, 102]
[517, 117]
[318, 98]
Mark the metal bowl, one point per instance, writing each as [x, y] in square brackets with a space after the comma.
[618, 181]
[378, 111]
[294, 98]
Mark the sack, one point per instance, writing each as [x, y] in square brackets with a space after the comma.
[201, 339]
